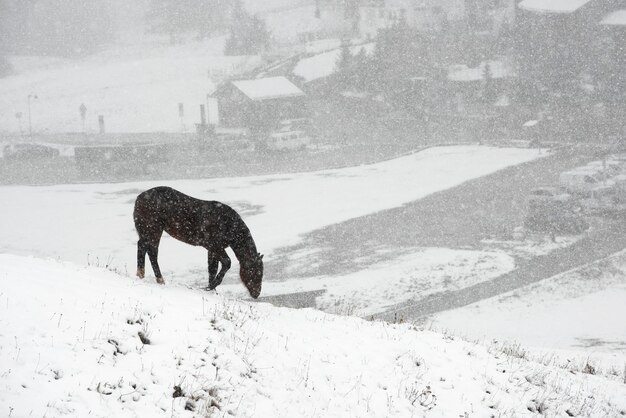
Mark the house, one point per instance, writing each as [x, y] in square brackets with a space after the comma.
[314, 21]
[424, 15]
[566, 16]
[613, 26]
[561, 37]
[259, 105]
[475, 90]
[435, 15]
[490, 17]
[557, 37]
[570, 64]
[337, 18]
[613, 60]
[615, 19]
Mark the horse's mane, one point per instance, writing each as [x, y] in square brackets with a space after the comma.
[243, 244]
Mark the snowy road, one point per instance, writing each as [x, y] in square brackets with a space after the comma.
[459, 217]
[455, 218]
[607, 237]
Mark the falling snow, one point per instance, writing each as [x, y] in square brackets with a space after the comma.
[438, 193]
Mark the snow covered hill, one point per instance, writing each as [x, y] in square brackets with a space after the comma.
[78, 341]
[580, 313]
[136, 84]
[72, 320]
[136, 88]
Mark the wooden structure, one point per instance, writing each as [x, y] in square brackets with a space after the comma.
[259, 104]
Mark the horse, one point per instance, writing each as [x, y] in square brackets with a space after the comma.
[208, 224]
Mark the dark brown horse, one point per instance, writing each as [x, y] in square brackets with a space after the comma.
[209, 224]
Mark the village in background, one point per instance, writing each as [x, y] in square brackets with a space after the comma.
[163, 88]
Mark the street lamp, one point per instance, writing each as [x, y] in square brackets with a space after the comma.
[30, 124]
[18, 116]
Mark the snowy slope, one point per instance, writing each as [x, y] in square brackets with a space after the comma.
[325, 64]
[136, 88]
[93, 223]
[70, 346]
[139, 81]
[581, 310]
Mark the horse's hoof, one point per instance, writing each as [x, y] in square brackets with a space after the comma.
[141, 273]
[160, 280]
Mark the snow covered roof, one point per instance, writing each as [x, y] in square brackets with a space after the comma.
[617, 18]
[268, 88]
[462, 72]
[317, 66]
[530, 123]
[324, 64]
[552, 6]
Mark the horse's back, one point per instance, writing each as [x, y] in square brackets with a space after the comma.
[156, 206]
[183, 217]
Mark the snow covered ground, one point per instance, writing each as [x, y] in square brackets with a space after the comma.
[92, 223]
[70, 322]
[77, 341]
[136, 88]
[325, 64]
[578, 311]
[139, 81]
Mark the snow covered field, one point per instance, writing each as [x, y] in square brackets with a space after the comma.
[70, 323]
[79, 341]
[137, 89]
[575, 314]
[138, 82]
[93, 223]
[81, 336]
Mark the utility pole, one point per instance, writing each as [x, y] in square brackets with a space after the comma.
[83, 114]
[181, 115]
[18, 116]
[30, 124]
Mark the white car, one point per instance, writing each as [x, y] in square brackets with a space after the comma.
[288, 140]
[609, 168]
[549, 194]
[584, 180]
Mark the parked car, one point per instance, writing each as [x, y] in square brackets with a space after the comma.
[609, 168]
[28, 151]
[621, 158]
[584, 180]
[288, 140]
[556, 221]
[549, 194]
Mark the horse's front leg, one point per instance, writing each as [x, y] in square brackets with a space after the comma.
[224, 260]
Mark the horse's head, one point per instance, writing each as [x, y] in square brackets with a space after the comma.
[251, 274]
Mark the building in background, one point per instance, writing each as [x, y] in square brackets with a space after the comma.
[259, 105]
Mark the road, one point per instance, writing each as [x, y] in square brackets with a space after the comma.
[607, 238]
[491, 206]
[460, 217]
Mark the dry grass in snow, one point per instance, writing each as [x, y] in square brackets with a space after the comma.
[80, 341]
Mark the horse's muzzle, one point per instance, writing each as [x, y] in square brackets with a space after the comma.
[255, 292]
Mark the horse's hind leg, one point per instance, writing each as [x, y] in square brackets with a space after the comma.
[149, 237]
[153, 254]
[142, 249]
